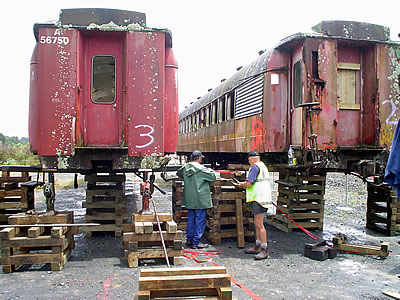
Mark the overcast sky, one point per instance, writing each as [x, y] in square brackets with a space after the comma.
[210, 38]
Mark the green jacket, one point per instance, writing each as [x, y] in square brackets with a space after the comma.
[196, 193]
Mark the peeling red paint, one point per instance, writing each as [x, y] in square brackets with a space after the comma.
[258, 133]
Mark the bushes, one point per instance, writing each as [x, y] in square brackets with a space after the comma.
[17, 154]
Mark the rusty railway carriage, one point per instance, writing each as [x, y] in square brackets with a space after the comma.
[332, 95]
[103, 91]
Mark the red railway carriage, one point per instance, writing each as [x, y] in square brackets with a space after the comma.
[103, 91]
[332, 95]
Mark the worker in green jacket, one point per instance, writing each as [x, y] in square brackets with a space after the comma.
[196, 197]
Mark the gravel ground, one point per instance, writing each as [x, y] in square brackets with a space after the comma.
[97, 270]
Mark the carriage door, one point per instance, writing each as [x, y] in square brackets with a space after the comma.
[103, 103]
[349, 96]
[297, 92]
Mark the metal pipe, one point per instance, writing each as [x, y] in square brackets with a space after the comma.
[347, 187]
[159, 230]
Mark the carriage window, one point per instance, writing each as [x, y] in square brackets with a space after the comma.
[202, 118]
[222, 111]
[348, 85]
[214, 112]
[103, 79]
[197, 120]
[208, 115]
[228, 107]
[231, 100]
[297, 84]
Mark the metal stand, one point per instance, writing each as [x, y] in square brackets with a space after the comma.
[312, 137]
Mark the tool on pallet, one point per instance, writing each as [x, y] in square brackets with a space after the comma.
[49, 193]
[147, 189]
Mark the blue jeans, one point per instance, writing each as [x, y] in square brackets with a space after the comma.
[196, 223]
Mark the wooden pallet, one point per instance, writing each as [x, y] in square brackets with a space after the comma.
[180, 218]
[184, 283]
[142, 240]
[37, 244]
[179, 212]
[302, 199]
[17, 194]
[105, 203]
[230, 216]
[383, 209]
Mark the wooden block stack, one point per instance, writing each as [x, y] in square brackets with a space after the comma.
[142, 239]
[230, 216]
[179, 211]
[184, 283]
[37, 244]
[105, 203]
[17, 194]
[301, 198]
[383, 209]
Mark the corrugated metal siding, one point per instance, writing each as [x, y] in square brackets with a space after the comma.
[249, 98]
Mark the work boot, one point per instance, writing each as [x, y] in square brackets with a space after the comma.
[199, 246]
[254, 250]
[262, 254]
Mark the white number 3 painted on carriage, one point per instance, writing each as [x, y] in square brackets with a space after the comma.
[148, 134]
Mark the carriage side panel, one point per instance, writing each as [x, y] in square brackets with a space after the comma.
[145, 52]
[57, 91]
[388, 73]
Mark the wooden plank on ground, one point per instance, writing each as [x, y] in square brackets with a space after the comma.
[163, 217]
[383, 250]
[8, 233]
[31, 258]
[148, 227]
[239, 223]
[34, 232]
[184, 282]
[171, 227]
[392, 294]
[23, 219]
[40, 241]
[152, 237]
[182, 271]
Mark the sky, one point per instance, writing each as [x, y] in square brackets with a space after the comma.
[210, 38]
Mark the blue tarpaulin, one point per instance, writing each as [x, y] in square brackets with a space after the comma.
[392, 172]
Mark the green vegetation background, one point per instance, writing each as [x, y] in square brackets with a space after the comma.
[15, 151]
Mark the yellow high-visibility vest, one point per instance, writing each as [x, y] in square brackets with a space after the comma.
[260, 191]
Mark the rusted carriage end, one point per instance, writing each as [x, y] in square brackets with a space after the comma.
[103, 91]
[349, 81]
[332, 95]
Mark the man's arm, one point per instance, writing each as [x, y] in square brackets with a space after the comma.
[246, 184]
[251, 178]
[179, 173]
[209, 174]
